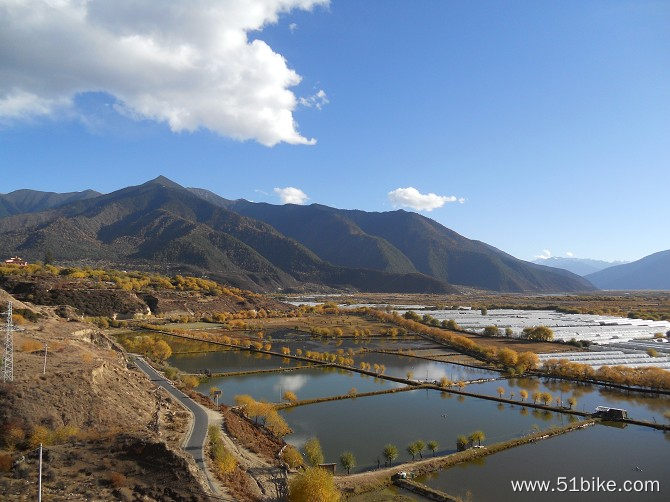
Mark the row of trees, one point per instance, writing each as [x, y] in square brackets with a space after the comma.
[223, 460]
[515, 362]
[653, 378]
[265, 412]
[465, 442]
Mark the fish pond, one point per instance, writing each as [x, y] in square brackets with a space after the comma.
[640, 405]
[364, 425]
[608, 453]
[306, 383]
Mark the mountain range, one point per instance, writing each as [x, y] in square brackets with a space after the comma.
[651, 272]
[579, 266]
[161, 224]
[31, 201]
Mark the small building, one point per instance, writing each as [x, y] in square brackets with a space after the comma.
[328, 467]
[15, 260]
[611, 413]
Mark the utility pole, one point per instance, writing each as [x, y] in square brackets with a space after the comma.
[44, 370]
[8, 359]
[39, 481]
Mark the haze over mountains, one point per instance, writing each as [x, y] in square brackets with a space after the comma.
[579, 266]
[268, 247]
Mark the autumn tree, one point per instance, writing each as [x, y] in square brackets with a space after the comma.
[412, 450]
[432, 446]
[538, 333]
[523, 393]
[313, 451]
[313, 484]
[290, 396]
[501, 391]
[390, 453]
[572, 402]
[461, 443]
[478, 436]
[348, 461]
[292, 457]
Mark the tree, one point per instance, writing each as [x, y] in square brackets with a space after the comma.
[483, 310]
[290, 396]
[501, 391]
[445, 382]
[572, 402]
[523, 393]
[478, 436]
[390, 453]
[161, 350]
[491, 331]
[412, 450]
[461, 443]
[538, 333]
[527, 361]
[313, 451]
[509, 332]
[410, 375]
[536, 396]
[546, 398]
[311, 485]
[420, 446]
[432, 446]
[348, 461]
[292, 457]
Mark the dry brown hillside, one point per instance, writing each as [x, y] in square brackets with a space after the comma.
[108, 433]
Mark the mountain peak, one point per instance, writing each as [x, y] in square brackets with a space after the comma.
[163, 181]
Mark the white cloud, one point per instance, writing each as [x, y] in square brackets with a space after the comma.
[291, 195]
[317, 100]
[569, 254]
[188, 63]
[545, 255]
[292, 27]
[411, 197]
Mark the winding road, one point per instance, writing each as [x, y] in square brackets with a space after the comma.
[196, 441]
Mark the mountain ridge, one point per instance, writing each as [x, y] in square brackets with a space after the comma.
[402, 241]
[651, 272]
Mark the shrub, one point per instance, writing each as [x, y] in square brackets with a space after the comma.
[292, 457]
[314, 484]
[117, 480]
[31, 346]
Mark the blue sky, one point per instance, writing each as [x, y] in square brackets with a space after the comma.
[551, 120]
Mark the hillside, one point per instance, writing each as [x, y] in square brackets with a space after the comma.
[650, 272]
[162, 225]
[31, 201]
[579, 266]
[400, 242]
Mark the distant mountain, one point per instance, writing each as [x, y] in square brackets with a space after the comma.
[403, 242]
[31, 201]
[162, 225]
[579, 266]
[650, 272]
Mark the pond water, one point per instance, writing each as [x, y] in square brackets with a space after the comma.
[423, 369]
[640, 405]
[306, 383]
[229, 360]
[364, 425]
[598, 451]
